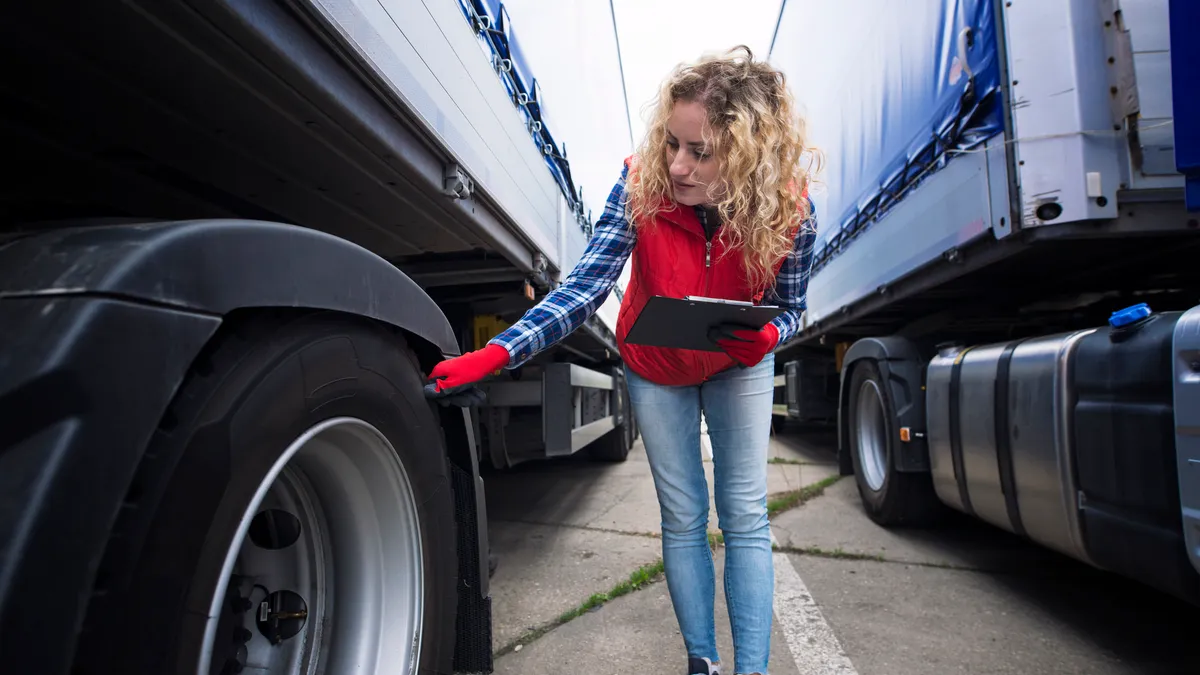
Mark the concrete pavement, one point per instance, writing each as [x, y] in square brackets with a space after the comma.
[636, 633]
[963, 598]
[969, 598]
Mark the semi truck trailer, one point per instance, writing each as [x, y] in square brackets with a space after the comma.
[235, 237]
[1003, 317]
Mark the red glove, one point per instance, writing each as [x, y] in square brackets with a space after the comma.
[748, 347]
[470, 367]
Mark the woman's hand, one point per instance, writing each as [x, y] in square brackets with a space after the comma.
[747, 347]
[469, 368]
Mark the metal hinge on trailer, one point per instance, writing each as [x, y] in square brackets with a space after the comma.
[538, 278]
[525, 95]
[456, 183]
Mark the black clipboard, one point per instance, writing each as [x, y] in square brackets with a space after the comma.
[684, 323]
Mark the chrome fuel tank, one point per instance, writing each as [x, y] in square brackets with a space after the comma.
[1071, 440]
[1000, 436]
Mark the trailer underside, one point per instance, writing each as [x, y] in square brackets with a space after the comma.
[998, 289]
[180, 110]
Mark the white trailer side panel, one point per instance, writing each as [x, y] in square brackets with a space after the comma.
[430, 60]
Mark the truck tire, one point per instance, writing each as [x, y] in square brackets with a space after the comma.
[614, 446]
[635, 432]
[298, 491]
[890, 497]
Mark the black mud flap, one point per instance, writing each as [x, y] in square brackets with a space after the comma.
[473, 623]
[473, 628]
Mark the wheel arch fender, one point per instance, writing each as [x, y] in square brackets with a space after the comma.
[217, 266]
[902, 367]
[169, 286]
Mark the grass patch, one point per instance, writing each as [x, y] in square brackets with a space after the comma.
[782, 502]
[796, 462]
[651, 573]
[642, 576]
[789, 500]
[715, 539]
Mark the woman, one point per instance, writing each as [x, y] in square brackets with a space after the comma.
[714, 204]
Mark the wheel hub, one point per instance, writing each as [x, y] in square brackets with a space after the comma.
[325, 574]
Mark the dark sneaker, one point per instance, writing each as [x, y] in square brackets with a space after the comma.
[698, 666]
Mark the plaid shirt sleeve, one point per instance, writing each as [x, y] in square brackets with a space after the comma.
[791, 284]
[583, 291]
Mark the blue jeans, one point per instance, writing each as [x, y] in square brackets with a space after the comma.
[737, 406]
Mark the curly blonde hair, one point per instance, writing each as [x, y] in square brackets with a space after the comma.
[759, 144]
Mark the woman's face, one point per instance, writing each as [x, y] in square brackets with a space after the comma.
[690, 161]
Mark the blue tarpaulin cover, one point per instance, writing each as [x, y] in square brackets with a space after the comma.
[888, 97]
[491, 22]
[1185, 87]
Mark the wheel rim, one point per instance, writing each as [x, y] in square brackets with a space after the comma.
[333, 534]
[871, 430]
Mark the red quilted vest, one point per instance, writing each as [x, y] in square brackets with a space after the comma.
[671, 259]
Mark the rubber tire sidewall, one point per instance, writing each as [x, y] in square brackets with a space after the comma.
[874, 501]
[904, 499]
[232, 424]
[614, 446]
[630, 423]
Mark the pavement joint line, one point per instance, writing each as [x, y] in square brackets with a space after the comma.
[615, 502]
[572, 526]
[776, 504]
[785, 501]
[780, 502]
[841, 554]
[653, 572]
[639, 579]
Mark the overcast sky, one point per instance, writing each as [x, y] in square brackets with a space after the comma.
[656, 35]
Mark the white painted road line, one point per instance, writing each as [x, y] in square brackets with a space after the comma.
[814, 647]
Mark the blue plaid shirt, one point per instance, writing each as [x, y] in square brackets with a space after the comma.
[588, 285]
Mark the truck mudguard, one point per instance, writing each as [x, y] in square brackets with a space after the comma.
[903, 368]
[98, 328]
[216, 266]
